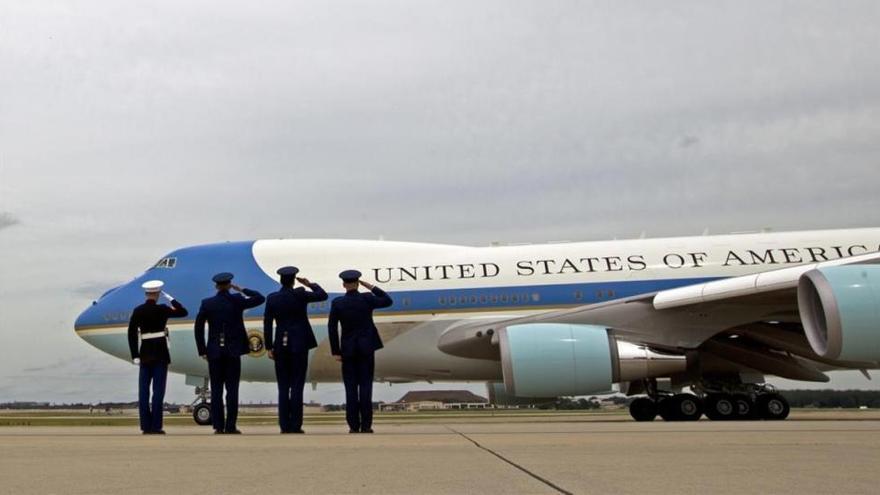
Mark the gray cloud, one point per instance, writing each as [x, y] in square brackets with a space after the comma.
[7, 220]
[688, 141]
[94, 289]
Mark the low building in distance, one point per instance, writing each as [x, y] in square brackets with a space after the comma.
[424, 400]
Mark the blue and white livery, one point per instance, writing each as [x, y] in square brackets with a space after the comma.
[713, 314]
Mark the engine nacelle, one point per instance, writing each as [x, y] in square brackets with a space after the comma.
[557, 359]
[840, 311]
[498, 396]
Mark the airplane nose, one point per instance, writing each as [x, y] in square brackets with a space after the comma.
[113, 306]
[87, 318]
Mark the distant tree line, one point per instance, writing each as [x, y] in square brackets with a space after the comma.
[824, 399]
[846, 399]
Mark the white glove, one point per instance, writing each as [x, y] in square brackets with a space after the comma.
[136, 361]
[167, 296]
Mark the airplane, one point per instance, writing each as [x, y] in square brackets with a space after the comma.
[688, 326]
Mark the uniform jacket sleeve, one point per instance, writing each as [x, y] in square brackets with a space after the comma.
[333, 330]
[133, 324]
[268, 323]
[200, 331]
[317, 294]
[380, 299]
[253, 299]
[176, 310]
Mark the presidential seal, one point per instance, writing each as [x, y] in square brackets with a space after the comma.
[255, 344]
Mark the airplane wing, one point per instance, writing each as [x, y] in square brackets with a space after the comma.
[754, 320]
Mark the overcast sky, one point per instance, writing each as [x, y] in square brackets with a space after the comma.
[128, 129]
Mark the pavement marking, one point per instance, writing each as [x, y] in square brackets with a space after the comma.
[508, 461]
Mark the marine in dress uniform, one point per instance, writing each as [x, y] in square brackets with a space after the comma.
[227, 342]
[289, 345]
[148, 342]
[356, 349]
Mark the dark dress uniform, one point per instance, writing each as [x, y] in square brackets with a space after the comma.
[360, 340]
[149, 319]
[287, 310]
[227, 342]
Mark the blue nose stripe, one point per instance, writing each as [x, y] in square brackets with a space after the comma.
[189, 281]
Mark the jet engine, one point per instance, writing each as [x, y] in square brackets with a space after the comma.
[840, 311]
[498, 396]
[554, 360]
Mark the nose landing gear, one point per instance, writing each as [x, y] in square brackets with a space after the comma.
[201, 408]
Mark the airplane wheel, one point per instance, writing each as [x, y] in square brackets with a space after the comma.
[772, 407]
[643, 409]
[681, 407]
[202, 414]
[689, 407]
[720, 407]
[667, 409]
[745, 408]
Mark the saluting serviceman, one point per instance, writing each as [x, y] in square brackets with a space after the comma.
[227, 342]
[147, 324]
[287, 311]
[360, 340]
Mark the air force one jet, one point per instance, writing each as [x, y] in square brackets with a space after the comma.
[713, 315]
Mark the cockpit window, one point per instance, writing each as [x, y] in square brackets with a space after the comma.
[168, 262]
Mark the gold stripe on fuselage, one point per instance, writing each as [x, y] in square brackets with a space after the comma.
[93, 329]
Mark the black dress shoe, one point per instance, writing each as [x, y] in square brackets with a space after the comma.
[299, 432]
[368, 430]
[233, 432]
[219, 432]
[146, 433]
[353, 431]
[159, 432]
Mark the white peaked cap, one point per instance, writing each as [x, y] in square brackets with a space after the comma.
[152, 286]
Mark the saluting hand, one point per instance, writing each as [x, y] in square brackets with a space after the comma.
[303, 280]
[237, 288]
[367, 285]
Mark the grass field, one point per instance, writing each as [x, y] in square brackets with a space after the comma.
[67, 418]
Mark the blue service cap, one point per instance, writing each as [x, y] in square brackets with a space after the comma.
[287, 270]
[350, 275]
[223, 278]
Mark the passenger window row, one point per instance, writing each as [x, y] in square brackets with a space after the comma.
[484, 299]
[516, 298]
[600, 294]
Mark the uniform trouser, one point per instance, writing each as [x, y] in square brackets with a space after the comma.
[290, 370]
[357, 374]
[151, 411]
[225, 372]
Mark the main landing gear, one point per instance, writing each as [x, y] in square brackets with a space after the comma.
[201, 408]
[747, 402]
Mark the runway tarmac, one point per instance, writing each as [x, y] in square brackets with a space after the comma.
[796, 456]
